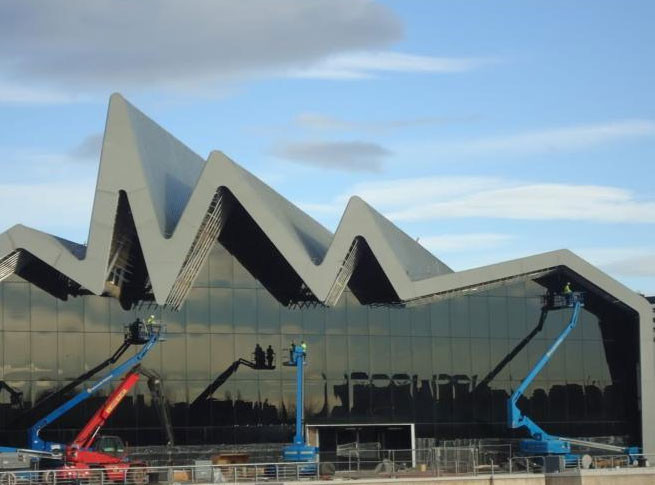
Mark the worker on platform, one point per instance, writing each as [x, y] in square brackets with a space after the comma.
[150, 320]
[568, 293]
[270, 355]
[292, 350]
[303, 346]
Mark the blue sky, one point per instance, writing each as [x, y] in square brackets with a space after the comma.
[488, 130]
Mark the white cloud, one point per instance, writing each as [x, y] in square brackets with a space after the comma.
[361, 65]
[564, 139]
[464, 242]
[421, 199]
[74, 46]
[633, 261]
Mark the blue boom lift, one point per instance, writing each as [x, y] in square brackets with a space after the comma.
[137, 332]
[299, 450]
[541, 443]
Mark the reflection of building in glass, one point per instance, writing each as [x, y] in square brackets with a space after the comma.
[447, 362]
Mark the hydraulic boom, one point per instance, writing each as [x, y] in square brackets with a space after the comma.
[151, 334]
[541, 442]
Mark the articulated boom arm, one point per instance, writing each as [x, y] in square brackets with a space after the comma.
[36, 443]
[87, 435]
[516, 419]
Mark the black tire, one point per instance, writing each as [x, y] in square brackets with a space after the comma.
[327, 469]
[49, 477]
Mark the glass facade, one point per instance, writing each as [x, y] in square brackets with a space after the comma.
[427, 365]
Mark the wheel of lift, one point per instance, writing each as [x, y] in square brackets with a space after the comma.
[49, 477]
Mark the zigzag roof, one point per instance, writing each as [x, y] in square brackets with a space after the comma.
[159, 208]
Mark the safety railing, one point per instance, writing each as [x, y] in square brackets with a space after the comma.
[433, 462]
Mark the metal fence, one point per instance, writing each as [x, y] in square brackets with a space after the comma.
[433, 462]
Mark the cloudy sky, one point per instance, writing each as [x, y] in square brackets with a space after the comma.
[488, 130]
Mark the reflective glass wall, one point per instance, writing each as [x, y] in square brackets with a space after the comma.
[429, 365]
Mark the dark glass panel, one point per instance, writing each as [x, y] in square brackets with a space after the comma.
[16, 306]
[70, 315]
[338, 399]
[176, 394]
[291, 320]
[380, 356]
[220, 309]
[420, 319]
[336, 356]
[358, 356]
[498, 317]
[516, 315]
[71, 360]
[378, 320]
[242, 278]
[221, 404]
[220, 267]
[17, 355]
[461, 352]
[336, 317]
[175, 321]
[399, 322]
[442, 356]
[118, 317]
[316, 405]
[43, 310]
[288, 415]
[459, 317]
[271, 401]
[313, 320]
[245, 311]
[592, 352]
[440, 318]
[480, 357]
[315, 367]
[574, 360]
[381, 388]
[555, 323]
[96, 314]
[589, 326]
[197, 352]
[44, 355]
[268, 312]
[356, 317]
[197, 310]
[479, 315]
[174, 358]
[421, 356]
[401, 355]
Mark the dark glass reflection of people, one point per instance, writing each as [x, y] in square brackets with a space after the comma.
[260, 357]
[270, 355]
